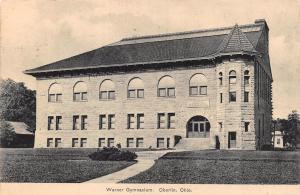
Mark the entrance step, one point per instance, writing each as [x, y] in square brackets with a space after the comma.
[193, 144]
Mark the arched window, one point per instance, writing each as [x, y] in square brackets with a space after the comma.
[166, 87]
[55, 93]
[198, 85]
[246, 77]
[232, 77]
[80, 91]
[107, 90]
[220, 78]
[136, 88]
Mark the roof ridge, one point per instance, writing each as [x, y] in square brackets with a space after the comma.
[183, 32]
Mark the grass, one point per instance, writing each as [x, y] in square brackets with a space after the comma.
[223, 167]
[53, 166]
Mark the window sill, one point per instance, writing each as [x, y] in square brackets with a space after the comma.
[55, 102]
[107, 99]
[172, 97]
[80, 100]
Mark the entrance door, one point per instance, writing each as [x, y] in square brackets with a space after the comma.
[198, 126]
[232, 140]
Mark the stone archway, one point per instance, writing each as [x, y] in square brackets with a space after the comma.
[198, 127]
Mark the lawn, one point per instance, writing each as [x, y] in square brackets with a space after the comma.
[223, 167]
[53, 166]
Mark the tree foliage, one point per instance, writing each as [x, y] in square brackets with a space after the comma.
[7, 134]
[17, 103]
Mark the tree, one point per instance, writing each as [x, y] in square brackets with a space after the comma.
[17, 103]
[7, 134]
[291, 129]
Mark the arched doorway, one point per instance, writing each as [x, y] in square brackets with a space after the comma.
[198, 126]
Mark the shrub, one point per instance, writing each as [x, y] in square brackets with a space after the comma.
[112, 154]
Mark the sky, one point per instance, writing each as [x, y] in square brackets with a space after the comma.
[38, 32]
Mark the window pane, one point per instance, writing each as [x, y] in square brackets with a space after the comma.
[130, 142]
[84, 122]
[246, 80]
[110, 142]
[232, 96]
[50, 123]
[50, 142]
[84, 95]
[51, 97]
[140, 93]
[75, 142]
[232, 80]
[57, 142]
[111, 121]
[201, 127]
[102, 121]
[221, 97]
[58, 122]
[171, 92]
[162, 92]
[139, 142]
[130, 121]
[140, 121]
[161, 121]
[83, 142]
[194, 90]
[203, 90]
[131, 93]
[111, 95]
[171, 120]
[246, 96]
[76, 96]
[75, 122]
[101, 142]
[160, 142]
[58, 97]
[103, 95]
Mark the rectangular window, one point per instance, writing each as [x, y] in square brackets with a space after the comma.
[83, 142]
[57, 142]
[84, 96]
[221, 97]
[140, 121]
[171, 120]
[50, 142]
[58, 97]
[51, 97]
[50, 122]
[111, 95]
[161, 120]
[160, 142]
[101, 142]
[77, 96]
[102, 121]
[130, 121]
[203, 90]
[140, 93]
[58, 123]
[131, 93]
[162, 92]
[247, 126]
[220, 126]
[246, 80]
[139, 142]
[75, 142]
[84, 124]
[76, 122]
[171, 92]
[110, 142]
[232, 96]
[103, 95]
[246, 96]
[193, 90]
[130, 143]
[111, 121]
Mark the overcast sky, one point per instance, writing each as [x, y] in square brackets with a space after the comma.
[34, 33]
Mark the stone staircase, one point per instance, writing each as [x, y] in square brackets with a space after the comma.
[193, 144]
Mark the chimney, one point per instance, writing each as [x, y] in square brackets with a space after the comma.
[262, 21]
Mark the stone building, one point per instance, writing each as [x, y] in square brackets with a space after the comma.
[195, 90]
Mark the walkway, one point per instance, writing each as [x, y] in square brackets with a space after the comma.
[145, 160]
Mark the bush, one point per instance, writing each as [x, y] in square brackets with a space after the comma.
[112, 154]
